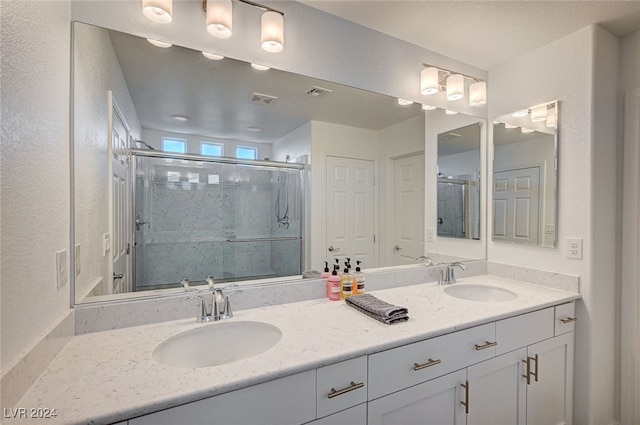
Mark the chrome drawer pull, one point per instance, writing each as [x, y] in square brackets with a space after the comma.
[568, 320]
[335, 393]
[431, 362]
[527, 375]
[486, 345]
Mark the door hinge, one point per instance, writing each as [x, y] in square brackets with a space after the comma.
[374, 238]
[374, 180]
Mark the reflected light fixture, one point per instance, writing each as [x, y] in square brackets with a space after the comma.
[455, 87]
[539, 113]
[521, 113]
[450, 112]
[158, 10]
[551, 117]
[159, 43]
[212, 56]
[404, 102]
[526, 130]
[510, 126]
[259, 67]
[272, 32]
[426, 107]
[219, 18]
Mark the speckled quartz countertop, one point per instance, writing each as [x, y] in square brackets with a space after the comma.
[109, 376]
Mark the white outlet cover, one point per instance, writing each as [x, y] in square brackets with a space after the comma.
[431, 234]
[574, 248]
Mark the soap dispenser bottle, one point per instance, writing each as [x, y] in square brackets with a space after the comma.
[358, 287]
[346, 283]
[326, 273]
[333, 286]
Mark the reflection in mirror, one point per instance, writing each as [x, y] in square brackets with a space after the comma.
[525, 176]
[170, 102]
[459, 182]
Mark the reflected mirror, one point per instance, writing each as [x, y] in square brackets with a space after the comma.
[459, 182]
[171, 181]
[525, 176]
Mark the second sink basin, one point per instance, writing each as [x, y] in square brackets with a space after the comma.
[216, 344]
[479, 293]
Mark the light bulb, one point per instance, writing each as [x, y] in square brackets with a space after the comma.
[429, 83]
[272, 32]
[158, 10]
[219, 18]
[455, 87]
[478, 93]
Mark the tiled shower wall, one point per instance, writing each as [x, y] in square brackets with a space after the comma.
[194, 209]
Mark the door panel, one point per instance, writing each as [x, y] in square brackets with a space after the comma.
[516, 204]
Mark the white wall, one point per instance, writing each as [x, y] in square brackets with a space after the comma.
[96, 71]
[580, 70]
[35, 170]
[630, 62]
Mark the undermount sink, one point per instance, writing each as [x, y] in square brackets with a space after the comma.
[217, 344]
[479, 293]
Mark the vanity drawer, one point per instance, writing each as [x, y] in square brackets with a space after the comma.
[341, 385]
[412, 364]
[565, 318]
[520, 331]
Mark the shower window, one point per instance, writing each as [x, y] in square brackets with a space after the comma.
[174, 145]
[243, 152]
[211, 149]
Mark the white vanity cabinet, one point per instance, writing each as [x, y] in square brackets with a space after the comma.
[527, 379]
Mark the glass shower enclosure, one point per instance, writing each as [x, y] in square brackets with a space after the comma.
[231, 218]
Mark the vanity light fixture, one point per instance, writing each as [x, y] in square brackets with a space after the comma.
[521, 113]
[539, 113]
[509, 126]
[158, 43]
[158, 10]
[450, 112]
[526, 130]
[434, 79]
[404, 102]
[219, 19]
[426, 107]
[212, 56]
[259, 67]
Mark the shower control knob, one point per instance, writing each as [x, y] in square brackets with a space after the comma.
[332, 249]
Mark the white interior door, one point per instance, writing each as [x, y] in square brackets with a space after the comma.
[119, 201]
[350, 210]
[407, 241]
[516, 200]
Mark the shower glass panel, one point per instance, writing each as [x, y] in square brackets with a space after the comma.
[234, 221]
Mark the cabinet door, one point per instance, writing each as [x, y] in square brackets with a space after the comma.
[290, 400]
[550, 396]
[435, 402]
[497, 391]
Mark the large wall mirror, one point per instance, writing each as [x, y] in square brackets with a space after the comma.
[187, 165]
[524, 194]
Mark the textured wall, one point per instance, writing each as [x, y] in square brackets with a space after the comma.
[96, 70]
[630, 62]
[580, 71]
[35, 170]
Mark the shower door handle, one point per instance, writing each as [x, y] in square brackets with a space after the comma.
[118, 276]
[332, 249]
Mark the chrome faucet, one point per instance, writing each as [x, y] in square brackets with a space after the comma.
[424, 260]
[447, 274]
[220, 305]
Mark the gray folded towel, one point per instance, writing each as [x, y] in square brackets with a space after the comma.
[378, 309]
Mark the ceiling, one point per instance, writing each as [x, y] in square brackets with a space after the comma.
[484, 34]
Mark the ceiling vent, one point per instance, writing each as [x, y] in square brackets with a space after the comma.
[262, 99]
[317, 92]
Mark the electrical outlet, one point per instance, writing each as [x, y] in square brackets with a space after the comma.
[106, 244]
[431, 234]
[549, 229]
[61, 268]
[77, 259]
[574, 248]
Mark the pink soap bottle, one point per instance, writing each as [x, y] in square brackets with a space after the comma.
[333, 286]
[326, 273]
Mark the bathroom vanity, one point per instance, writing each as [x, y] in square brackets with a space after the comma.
[456, 361]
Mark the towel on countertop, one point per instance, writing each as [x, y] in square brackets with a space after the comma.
[378, 309]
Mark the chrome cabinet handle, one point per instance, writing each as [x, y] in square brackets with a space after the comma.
[465, 403]
[535, 374]
[484, 346]
[568, 320]
[332, 249]
[353, 386]
[430, 363]
[527, 375]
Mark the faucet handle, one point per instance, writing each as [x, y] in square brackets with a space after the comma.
[186, 283]
[227, 314]
[209, 281]
[202, 310]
